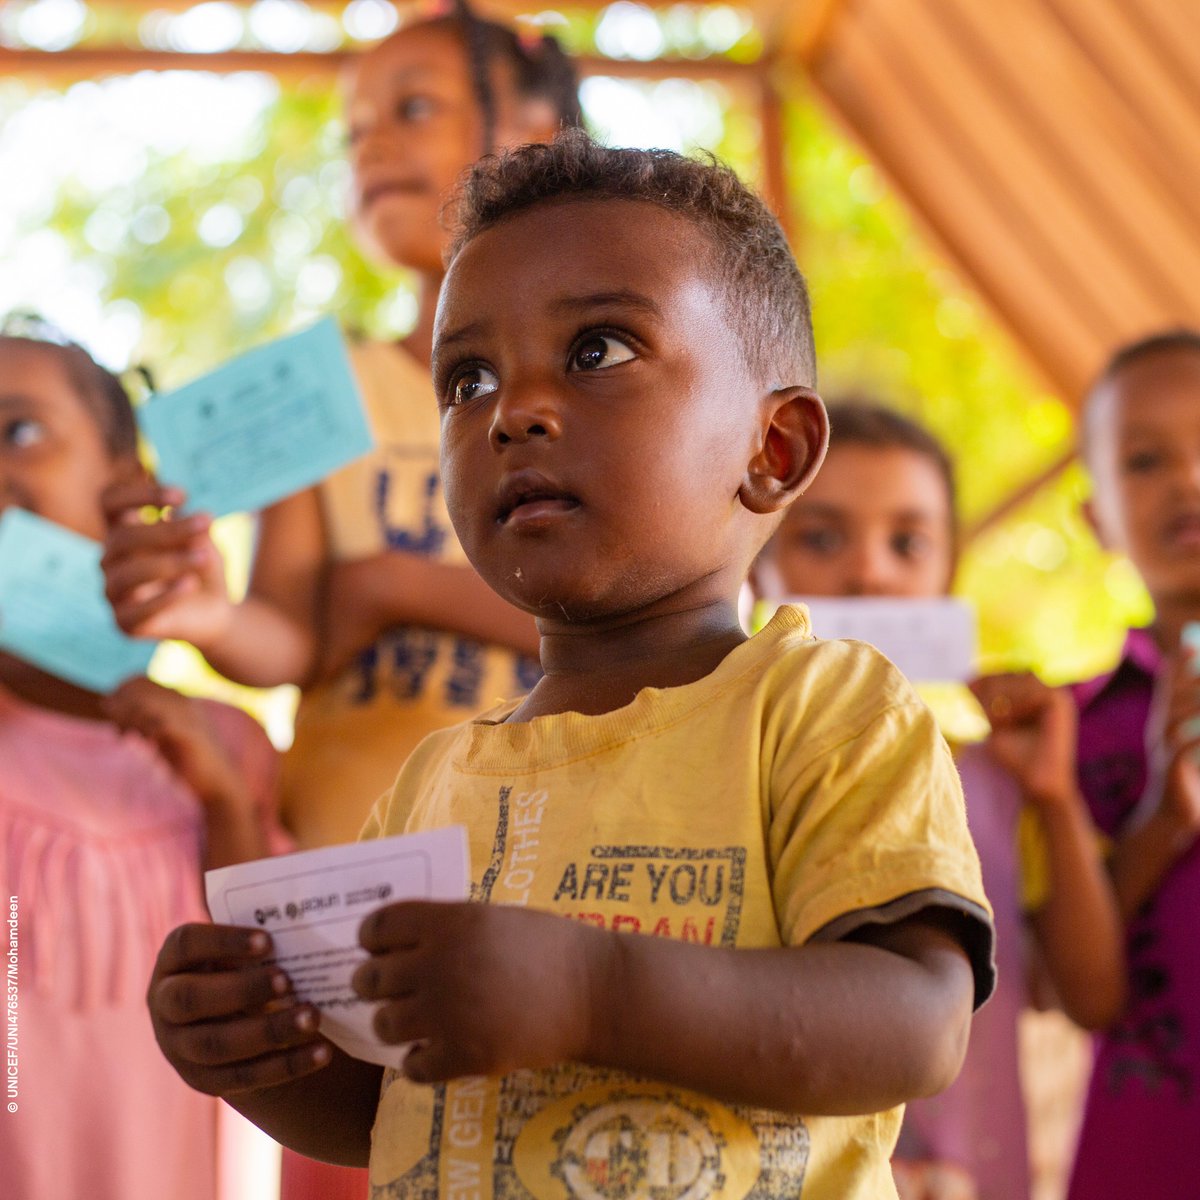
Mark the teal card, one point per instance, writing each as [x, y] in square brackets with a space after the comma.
[52, 607]
[1191, 637]
[269, 423]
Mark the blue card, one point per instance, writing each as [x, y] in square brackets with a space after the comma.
[269, 423]
[1191, 637]
[52, 607]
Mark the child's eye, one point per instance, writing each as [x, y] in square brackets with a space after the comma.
[819, 541]
[598, 351]
[910, 545]
[1143, 460]
[23, 432]
[416, 108]
[473, 383]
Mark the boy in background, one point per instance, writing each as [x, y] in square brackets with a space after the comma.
[778, 818]
[1138, 742]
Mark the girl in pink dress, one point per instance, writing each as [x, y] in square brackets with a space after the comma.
[110, 807]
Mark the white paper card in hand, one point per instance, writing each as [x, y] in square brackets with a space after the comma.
[313, 903]
[930, 641]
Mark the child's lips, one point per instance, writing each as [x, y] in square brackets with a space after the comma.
[529, 498]
[538, 509]
[1183, 531]
[382, 188]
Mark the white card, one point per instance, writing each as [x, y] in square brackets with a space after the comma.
[313, 903]
[930, 641]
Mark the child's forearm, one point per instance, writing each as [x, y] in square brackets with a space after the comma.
[1079, 927]
[327, 1115]
[829, 1028]
[263, 646]
[233, 831]
[1144, 856]
[368, 596]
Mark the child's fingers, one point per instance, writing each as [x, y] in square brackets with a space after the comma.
[219, 1043]
[187, 997]
[137, 618]
[147, 706]
[123, 501]
[127, 541]
[1001, 696]
[396, 926]
[436, 1062]
[197, 947]
[389, 976]
[250, 1075]
[402, 1020]
[139, 580]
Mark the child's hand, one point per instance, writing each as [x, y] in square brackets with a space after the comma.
[180, 728]
[932, 1181]
[1033, 734]
[1174, 733]
[164, 578]
[227, 1021]
[185, 736]
[482, 989]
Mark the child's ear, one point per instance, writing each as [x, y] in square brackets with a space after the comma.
[1095, 522]
[795, 438]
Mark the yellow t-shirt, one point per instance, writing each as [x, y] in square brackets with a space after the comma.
[798, 791]
[354, 731]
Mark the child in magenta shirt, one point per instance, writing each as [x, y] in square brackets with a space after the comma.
[1138, 770]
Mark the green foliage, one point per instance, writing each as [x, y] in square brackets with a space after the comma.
[893, 321]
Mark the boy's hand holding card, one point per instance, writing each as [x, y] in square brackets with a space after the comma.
[313, 904]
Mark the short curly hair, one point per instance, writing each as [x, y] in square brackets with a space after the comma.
[751, 259]
[1180, 340]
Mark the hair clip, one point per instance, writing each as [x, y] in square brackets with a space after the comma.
[138, 381]
[529, 35]
[33, 327]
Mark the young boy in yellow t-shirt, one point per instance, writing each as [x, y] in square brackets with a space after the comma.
[624, 365]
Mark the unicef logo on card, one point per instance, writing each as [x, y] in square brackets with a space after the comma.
[320, 906]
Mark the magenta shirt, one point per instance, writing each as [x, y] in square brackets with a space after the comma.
[1141, 1125]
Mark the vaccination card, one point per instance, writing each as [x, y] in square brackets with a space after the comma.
[312, 904]
[52, 607]
[270, 422]
[930, 641]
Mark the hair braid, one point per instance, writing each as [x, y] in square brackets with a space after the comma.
[478, 44]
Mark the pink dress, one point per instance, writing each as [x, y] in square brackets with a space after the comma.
[979, 1121]
[100, 853]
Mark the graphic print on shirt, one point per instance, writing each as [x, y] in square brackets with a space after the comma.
[575, 1132]
[410, 514]
[414, 522]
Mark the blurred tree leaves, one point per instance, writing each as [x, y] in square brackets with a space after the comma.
[220, 252]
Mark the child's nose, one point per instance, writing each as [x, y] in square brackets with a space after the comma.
[525, 412]
[872, 570]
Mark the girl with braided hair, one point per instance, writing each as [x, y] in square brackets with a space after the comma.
[360, 592]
